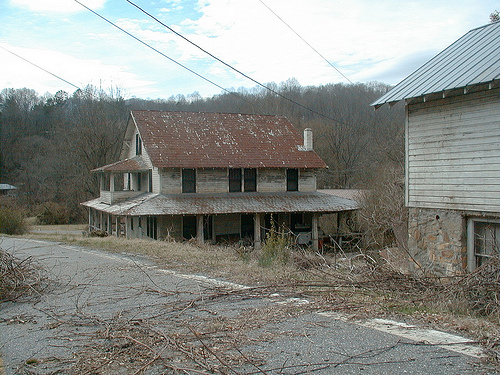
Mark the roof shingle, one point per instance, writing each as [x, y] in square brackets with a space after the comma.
[222, 140]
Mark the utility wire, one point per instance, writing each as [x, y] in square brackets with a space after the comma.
[229, 66]
[94, 96]
[310, 46]
[161, 53]
[39, 67]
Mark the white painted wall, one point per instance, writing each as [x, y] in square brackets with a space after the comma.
[453, 153]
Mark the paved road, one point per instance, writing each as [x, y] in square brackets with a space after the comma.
[101, 305]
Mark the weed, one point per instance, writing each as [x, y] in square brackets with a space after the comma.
[277, 247]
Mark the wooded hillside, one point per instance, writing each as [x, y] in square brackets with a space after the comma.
[49, 143]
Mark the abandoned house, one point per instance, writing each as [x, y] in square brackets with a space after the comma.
[453, 154]
[213, 177]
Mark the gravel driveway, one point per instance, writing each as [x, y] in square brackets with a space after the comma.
[121, 314]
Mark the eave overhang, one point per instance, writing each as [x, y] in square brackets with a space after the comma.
[152, 204]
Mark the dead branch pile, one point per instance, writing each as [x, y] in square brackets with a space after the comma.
[479, 290]
[20, 278]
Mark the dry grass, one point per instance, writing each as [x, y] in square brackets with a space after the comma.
[235, 264]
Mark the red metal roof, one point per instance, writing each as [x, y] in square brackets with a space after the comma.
[222, 140]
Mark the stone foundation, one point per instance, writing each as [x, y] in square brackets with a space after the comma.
[437, 241]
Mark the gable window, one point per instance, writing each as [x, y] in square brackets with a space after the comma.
[188, 180]
[234, 180]
[138, 145]
[250, 179]
[483, 238]
[292, 179]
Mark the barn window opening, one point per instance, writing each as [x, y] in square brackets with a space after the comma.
[483, 244]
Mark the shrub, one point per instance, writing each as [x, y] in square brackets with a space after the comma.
[383, 215]
[12, 220]
[52, 213]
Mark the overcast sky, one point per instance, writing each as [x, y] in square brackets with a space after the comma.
[366, 40]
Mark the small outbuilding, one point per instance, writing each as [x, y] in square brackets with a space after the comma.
[453, 154]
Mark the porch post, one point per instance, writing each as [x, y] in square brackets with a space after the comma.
[112, 182]
[315, 231]
[256, 232]
[117, 223]
[200, 236]
[127, 227]
[90, 218]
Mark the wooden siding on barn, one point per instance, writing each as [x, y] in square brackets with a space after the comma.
[453, 153]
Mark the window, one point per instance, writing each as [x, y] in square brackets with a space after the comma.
[138, 145]
[150, 181]
[482, 241]
[139, 180]
[189, 181]
[234, 180]
[292, 179]
[250, 177]
[151, 228]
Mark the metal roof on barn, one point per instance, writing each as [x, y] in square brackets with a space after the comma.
[471, 60]
[149, 204]
[222, 140]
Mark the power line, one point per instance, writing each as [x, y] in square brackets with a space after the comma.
[229, 66]
[94, 96]
[39, 67]
[309, 45]
[161, 53]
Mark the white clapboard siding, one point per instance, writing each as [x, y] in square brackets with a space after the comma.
[156, 180]
[307, 180]
[212, 180]
[453, 153]
[271, 180]
[171, 181]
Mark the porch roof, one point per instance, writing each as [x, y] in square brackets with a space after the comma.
[152, 204]
[135, 164]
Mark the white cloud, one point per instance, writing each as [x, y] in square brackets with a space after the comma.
[366, 40]
[78, 72]
[57, 6]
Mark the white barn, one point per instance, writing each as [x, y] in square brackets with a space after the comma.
[453, 154]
